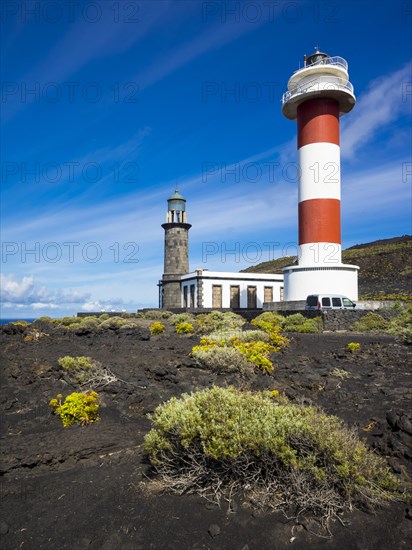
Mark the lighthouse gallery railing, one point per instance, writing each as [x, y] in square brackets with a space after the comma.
[315, 85]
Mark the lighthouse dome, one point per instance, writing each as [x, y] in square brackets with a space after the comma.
[176, 202]
[176, 196]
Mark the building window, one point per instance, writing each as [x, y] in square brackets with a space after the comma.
[192, 295]
[251, 297]
[235, 297]
[217, 296]
[281, 294]
[185, 296]
[268, 294]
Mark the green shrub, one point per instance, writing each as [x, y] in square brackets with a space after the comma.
[369, 322]
[72, 364]
[104, 316]
[271, 321]
[67, 321]
[112, 323]
[154, 314]
[86, 371]
[157, 327]
[340, 373]
[77, 408]
[222, 359]
[19, 323]
[90, 323]
[184, 328]
[293, 322]
[89, 318]
[401, 326]
[272, 317]
[256, 353]
[353, 346]
[405, 334]
[211, 322]
[273, 328]
[286, 456]
[177, 318]
[78, 368]
[298, 323]
[239, 335]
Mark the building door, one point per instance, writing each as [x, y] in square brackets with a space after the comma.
[251, 297]
[185, 296]
[268, 294]
[235, 297]
[192, 295]
[217, 296]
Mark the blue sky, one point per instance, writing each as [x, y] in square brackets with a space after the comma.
[106, 105]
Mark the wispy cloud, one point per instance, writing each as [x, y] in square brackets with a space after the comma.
[385, 100]
[376, 192]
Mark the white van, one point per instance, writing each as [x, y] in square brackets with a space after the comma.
[328, 301]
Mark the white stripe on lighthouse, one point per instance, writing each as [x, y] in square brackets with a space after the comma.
[319, 170]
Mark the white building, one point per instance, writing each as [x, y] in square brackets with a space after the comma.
[218, 289]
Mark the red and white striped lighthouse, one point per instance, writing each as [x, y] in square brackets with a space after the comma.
[318, 94]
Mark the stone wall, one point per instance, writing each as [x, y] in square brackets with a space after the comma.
[172, 297]
[333, 320]
[290, 305]
[376, 304]
[342, 319]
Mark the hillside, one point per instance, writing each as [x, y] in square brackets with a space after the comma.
[385, 267]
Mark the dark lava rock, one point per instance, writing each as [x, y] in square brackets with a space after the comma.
[86, 487]
[405, 425]
[139, 333]
[10, 328]
[214, 530]
[392, 419]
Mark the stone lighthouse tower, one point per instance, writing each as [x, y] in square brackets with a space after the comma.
[318, 95]
[176, 252]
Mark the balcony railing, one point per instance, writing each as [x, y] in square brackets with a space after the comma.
[338, 61]
[315, 85]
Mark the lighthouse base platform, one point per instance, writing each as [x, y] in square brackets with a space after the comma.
[301, 281]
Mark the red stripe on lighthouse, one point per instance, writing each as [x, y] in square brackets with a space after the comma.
[318, 121]
[319, 221]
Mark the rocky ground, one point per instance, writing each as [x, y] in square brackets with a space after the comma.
[86, 487]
